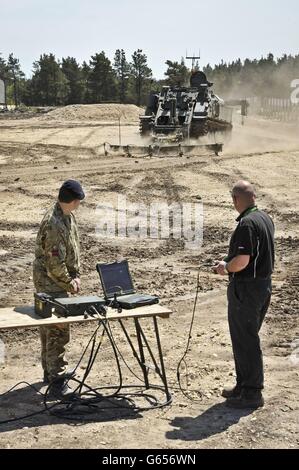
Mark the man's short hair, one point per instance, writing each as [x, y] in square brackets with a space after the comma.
[70, 191]
[244, 189]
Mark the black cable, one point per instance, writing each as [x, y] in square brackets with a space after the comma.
[58, 304]
[113, 344]
[46, 408]
[94, 397]
[16, 385]
[92, 339]
[180, 388]
[122, 357]
[87, 370]
[90, 401]
[29, 415]
[92, 359]
[183, 391]
[93, 394]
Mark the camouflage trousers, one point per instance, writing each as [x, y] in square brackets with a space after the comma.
[54, 338]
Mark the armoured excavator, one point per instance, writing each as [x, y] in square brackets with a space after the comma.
[184, 120]
[186, 115]
[182, 113]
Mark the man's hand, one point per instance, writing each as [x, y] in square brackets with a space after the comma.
[220, 268]
[236, 265]
[76, 284]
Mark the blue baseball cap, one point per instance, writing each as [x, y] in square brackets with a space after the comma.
[71, 190]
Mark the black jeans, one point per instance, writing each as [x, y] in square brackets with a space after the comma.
[248, 302]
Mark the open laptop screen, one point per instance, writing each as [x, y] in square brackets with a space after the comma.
[116, 278]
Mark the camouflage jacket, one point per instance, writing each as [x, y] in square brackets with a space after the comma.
[57, 252]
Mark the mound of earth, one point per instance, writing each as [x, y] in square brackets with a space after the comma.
[96, 112]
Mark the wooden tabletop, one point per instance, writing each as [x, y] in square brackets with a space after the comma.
[25, 317]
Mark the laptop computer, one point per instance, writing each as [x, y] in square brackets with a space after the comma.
[117, 284]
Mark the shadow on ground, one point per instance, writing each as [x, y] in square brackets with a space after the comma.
[213, 421]
[25, 407]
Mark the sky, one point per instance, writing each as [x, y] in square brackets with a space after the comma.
[163, 29]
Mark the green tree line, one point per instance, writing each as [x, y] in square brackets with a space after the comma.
[266, 77]
[56, 82]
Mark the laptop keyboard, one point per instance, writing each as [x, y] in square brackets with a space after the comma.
[132, 297]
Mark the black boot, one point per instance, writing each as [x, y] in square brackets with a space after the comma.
[232, 392]
[59, 388]
[249, 399]
[68, 375]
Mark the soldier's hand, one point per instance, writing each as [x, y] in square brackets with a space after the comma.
[74, 286]
[78, 282]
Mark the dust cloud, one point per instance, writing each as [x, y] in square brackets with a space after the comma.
[261, 135]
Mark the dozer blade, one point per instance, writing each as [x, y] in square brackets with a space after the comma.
[162, 150]
[200, 149]
[127, 150]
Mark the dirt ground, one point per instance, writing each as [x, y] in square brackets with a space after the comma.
[36, 156]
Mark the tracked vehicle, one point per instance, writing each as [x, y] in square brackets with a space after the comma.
[181, 113]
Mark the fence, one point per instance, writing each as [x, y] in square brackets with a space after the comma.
[277, 109]
[226, 113]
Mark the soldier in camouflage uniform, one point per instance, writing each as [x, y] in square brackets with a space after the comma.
[56, 272]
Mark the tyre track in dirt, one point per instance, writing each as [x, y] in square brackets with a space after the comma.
[285, 300]
[165, 268]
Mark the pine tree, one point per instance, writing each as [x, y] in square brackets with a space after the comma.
[122, 71]
[141, 73]
[177, 74]
[85, 72]
[50, 86]
[16, 75]
[74, 75]
[101, 80]
[3, 69]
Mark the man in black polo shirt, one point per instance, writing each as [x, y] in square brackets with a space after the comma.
[249, 264]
